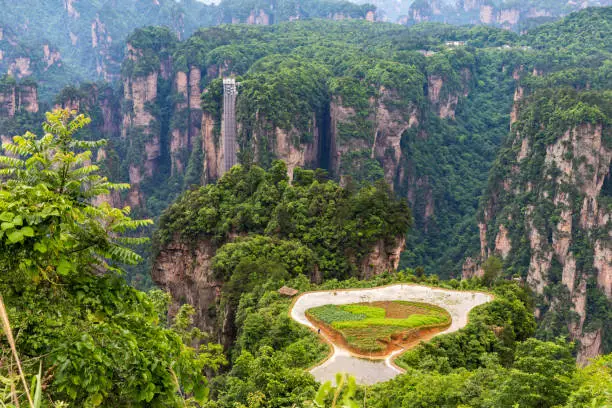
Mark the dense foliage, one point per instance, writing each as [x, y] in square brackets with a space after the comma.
[292, 75]
[494, 361]
[87, 38]
[547, 116]
[331, 224]
[295, 76]
[99, 341]
[449, 90]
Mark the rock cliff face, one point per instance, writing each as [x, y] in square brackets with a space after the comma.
[296, 154]
[382, 144]
[138, 122]
[185, 271]
[426, 11]
[16, 97]
[8, 101]
[141, 124]
[20, 67]
[50, 56]
[101, 43]
[445, 103]
[506, 14]
[259, 18]
[187, 118]
[548, 216]
[263, 141]
[180, 134]
[382, 258]
[212, 148]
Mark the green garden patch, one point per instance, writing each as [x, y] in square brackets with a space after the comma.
[378, 327]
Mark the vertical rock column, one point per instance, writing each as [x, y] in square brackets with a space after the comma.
[179, 139]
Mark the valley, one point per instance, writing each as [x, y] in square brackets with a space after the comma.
[228, 206]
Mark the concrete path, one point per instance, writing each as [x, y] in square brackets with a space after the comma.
[367, 371]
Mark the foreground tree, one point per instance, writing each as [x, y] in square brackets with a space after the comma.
[100, 342]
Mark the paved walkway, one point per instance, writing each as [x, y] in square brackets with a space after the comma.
[367, 371]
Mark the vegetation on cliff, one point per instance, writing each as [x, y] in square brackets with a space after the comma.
[99, 342]
[102, 343]
[341, 94]
[334, 228]
[539, 183]
[494, 361]
[72, 41]
[397, 116]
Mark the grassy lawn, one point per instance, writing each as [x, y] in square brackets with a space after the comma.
[370, 327]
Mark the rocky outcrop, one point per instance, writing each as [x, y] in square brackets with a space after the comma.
[425, 11]
[141, 123]
[444, 100]
[50, 56]
[390, 126]
[101, 43]
[486, 14]
[70, 9]
[471, 269]
[186, 119]
[281, 143]
[557, 209]
[383, 144]
[382, 258]
[20, 67]
[18, 97]
[185, 271]
[518, 97]
[509, 17]
[296, 154]
[8, 101]
[137, 93]
[28, 98]
[195, 107]
[340, 115]
[212, 148]
[258, 18]
[90, 98]
[179, 138]
[502, 242]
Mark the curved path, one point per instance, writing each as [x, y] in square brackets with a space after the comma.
[370, 371]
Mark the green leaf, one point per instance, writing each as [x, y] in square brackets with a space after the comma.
[322, 394]
[18, 220]
[15, 237]
[38, 388]
[7, 225]
[96, 399]
[7, 216]
[27, 231]
[40, 247]
[64, 267]
[200, 393]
